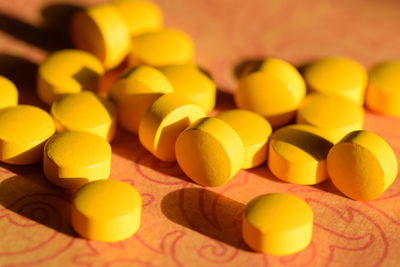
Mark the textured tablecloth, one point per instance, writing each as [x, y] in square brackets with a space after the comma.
[184, 224]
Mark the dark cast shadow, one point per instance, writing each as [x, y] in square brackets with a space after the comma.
[23, 73]
[224, 101]
[33, 198]
[207, 213]
[57, 19]
[31, 34]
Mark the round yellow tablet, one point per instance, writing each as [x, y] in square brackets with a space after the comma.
[383, 93]
[66, 72]
[297, 154]
[286, 72]
[8, 93]
[192, 83]
[362, 165]
[163, 121]
[277, 224]
[141, 16]
[86, 112]
[337, 76]
[23, 131]
[254, 131]
[270, 94]
[107, 210]
[162, 48]
[73, 158]
[102, 31]
[135, 91]
[335, 115]
[210, 152]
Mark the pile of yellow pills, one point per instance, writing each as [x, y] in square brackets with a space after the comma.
[337, 76]
[67, 72]
[275, 92]
[362, 165]
[24, 130]
[135, 91]
[297, 154]
[254, 131]
[335, 115]
[163, 121]
[106, 210]
[87, 112]
[8, 93]
[162, 48]
[73, 158]
[383, 93]
[277, 224]
[102, 31]
[140, 16]
[210, 152]
[190, 82]
[164, 97]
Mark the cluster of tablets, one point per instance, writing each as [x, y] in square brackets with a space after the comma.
[164, 98]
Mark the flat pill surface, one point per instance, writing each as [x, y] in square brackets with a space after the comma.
[74, 158]
[192, 83]
[23, 131]
[135, 91]
[102, 31]
[383, 93]
[210, 152]
[277, 224]
[338, 76]
[162, 48]
[87, 112]
[163, 121]
[140, 16]
[288, 73]
[335, 115]
[107, 210]
[297, 154]
[66, 72]
[8, 93]
[269, 95]
[362, 165]
[254, 131]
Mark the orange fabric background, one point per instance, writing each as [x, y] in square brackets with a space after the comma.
[184, 224]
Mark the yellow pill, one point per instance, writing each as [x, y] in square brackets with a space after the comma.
[286, 72]
[107, 210]
[254, 131]
[362, 165]
[162, 48]
[8, 93]
[277, 224]
[210, 152]
[163, 121]
[271, 94]
[335, 115]
[297, 154]
[383, 93]
[72, 159]
[67, 72]
[337, 76]
[135, 91]
[24, 130]
[192, 83]
[86, 112]
[141, 16]
[102, 31]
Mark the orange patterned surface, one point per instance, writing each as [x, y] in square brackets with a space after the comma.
[184, 224]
